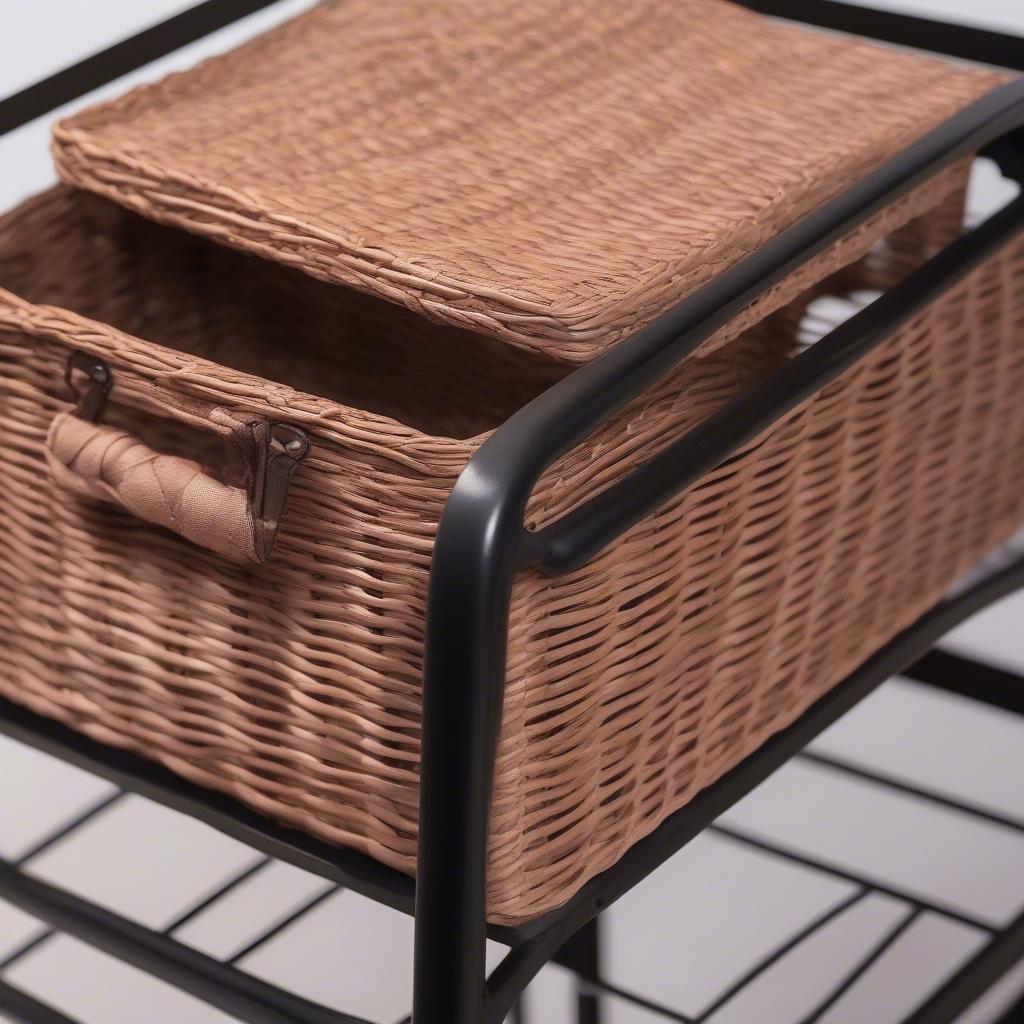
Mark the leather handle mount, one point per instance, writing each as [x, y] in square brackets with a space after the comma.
[103, 463]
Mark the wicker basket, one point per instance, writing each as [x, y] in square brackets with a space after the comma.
[153, 594]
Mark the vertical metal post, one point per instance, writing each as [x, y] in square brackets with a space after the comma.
[474, 564]
[582, 954]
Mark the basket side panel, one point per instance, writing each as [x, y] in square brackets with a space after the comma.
[644, 676]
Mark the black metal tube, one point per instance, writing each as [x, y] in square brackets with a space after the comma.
[581, 954]
[973, 980]
[866, 962]
[963, 41]
[238, 994]
[24, 1008]
[514, 458]
[117, 60]
[475, 558]
[955, 674]
[1013, 1014]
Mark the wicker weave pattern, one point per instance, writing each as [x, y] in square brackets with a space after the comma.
[488, 166]
[632, 683]
[722, 617]
[554, 173]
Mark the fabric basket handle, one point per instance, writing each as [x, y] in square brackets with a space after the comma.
[106, 464]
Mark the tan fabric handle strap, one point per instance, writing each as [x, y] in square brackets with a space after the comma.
[100, 462]
[106, 464]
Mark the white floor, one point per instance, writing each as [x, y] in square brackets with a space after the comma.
[683, 936]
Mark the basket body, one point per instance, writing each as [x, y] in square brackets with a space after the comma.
[632, 682]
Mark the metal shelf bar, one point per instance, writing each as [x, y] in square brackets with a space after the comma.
[986, 46]
[208, 901]
[968, 678]
[23, 1007]
[582, 955]
[221, 985]
[865, 964]
[139, 775]
[597, 984]
[281, 925]
[781, 951]
[117, 60]
[795, 857]
[87, 815]
[25, 948]
[980, 974]
[592, 525]
[1013, 1014]
[932, 796]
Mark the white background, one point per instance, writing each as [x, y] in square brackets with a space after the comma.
[681, 937]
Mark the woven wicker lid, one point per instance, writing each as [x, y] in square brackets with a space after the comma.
[553, 173]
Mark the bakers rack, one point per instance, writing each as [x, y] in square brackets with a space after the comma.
[466, 626]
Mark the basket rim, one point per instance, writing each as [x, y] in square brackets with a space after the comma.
[70, 330]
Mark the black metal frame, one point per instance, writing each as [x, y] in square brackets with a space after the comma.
[483, 543]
